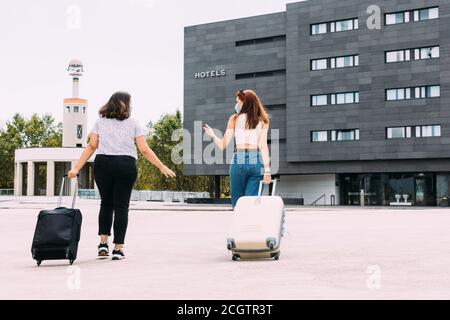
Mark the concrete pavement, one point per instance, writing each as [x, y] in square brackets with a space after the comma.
[179, 252]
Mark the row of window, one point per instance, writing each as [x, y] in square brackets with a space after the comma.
[426, 131]
[391, 56]
[422, 92]
[75, 109]
[335, 62]
[414, 132]
[334, 98]
[334, 26]
[413, 93]
[413, 54]
[390, 19]
[412, 15]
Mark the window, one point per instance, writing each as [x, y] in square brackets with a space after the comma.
[396, 133]
[417, 54]
[336, 62]
[407, 93]
[319, 136]
[68, 109]
[319, 100]
[345, 135]
[84, 109]
[345, 98]
[344, 25]
[335, 98]
[433, 91]
[427, 53]
[260, 40]
[344, 62]
[429, 131]
[413, 15]
[318, 28]
[336, 135]
[398, 94]
[395, 56]
[334, 26]
[319, 64]
[79, 131]
[260, 74]
[427, 92]
[76, 109]
[427, 14]
[395, 18]
[416, 132]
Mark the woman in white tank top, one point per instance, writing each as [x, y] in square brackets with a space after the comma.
[251, 161]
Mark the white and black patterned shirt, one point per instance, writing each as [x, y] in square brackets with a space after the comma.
[117, 138]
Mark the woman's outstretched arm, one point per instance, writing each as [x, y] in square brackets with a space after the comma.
[228, 137]
[148, 153]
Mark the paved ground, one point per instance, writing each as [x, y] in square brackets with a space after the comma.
[178, 252]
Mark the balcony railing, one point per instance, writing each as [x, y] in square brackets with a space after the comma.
[150, 196]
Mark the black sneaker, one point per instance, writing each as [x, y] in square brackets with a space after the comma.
[103, 250]
[118, 255]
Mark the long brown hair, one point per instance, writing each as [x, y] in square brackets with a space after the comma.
[253, 108]
[118, 107]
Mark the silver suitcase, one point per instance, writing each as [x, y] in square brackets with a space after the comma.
[257, 227]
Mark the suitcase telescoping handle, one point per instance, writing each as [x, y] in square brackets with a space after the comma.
[62, 191]
[261, 183]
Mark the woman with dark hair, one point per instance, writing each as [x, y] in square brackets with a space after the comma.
[251, 161]
[113, 137]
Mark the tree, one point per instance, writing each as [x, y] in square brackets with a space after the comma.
[21, 133]
[160, 141]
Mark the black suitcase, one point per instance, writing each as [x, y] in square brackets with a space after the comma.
[57, 232]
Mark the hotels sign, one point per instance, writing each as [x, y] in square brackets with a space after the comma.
[210, 74]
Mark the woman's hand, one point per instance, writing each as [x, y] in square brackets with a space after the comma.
[167, 172]
[73, 173]
[267, 178]
[209, 131]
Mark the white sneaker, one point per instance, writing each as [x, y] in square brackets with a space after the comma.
[118, 255]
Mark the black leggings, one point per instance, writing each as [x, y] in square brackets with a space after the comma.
[115, 177]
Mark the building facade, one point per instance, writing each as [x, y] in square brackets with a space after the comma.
[359, 92]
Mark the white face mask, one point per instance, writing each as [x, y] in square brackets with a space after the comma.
[238, 108]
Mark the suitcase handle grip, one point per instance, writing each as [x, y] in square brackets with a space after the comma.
[261, 183]
[62, 190]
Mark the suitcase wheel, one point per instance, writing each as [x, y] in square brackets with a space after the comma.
[71, 262]
[236, 257]
[271, 243]
[38, 262]
[276, 257]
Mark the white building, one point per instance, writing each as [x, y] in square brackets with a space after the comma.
[39, 171]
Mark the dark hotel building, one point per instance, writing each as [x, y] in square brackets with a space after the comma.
[359, 106]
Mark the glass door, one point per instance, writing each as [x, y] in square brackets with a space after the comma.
[425, 192]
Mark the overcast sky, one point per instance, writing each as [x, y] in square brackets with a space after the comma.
[133, 45]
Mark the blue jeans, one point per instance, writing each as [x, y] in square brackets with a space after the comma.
[246, 172]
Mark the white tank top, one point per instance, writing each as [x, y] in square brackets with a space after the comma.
[247, 136]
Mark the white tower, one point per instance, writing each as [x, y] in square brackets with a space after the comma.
[75, 111]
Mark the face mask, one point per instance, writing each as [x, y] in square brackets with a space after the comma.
[237, 108]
